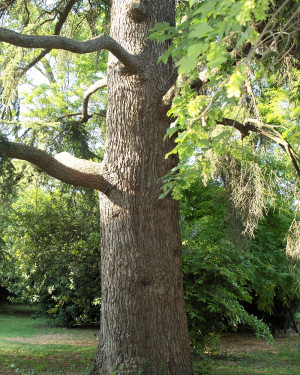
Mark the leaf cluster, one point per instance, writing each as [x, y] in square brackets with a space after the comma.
[231, 67]
[53, 240]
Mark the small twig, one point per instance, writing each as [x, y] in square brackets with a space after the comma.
[252, 52]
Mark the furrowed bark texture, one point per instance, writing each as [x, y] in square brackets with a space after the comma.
[143, 319]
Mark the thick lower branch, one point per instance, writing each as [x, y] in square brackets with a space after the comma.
[131, 62]
[64, 166]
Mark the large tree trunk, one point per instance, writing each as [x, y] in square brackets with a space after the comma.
[143, 319]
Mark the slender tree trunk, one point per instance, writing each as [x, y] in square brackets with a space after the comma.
[143, 319]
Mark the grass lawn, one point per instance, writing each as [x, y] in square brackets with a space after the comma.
[246, 355]
[34, 347]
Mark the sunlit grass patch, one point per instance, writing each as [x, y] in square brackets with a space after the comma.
[44, 358]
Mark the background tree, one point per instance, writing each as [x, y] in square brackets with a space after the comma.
[233, 282]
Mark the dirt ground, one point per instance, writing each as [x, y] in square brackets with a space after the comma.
[88, 339]
[229, 342]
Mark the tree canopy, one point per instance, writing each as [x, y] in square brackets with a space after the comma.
[236, 104]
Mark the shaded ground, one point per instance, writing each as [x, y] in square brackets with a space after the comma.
[247, 344]
[34, 347]
[245, 355]
[235, 343]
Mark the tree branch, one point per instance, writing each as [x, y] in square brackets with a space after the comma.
[62, 19]
[64, 166]
[131, 62]
[86, 96]
[169, 96]
[48, 71]
[265, 130]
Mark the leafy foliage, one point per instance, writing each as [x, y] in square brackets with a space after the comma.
[274, 280]
[229, 285]
[230, 66]
[54, 240]
[51, 232]
[52, 95]
[216, 273]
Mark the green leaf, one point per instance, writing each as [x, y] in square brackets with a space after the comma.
[234, 84]
[170, 132]
[160, 26]
[205, 8]
[222, 135]
[164, 194]
[217, 61]
[243, 37]
[237, 27]
[187, 64]
[203, 143]
[200, 30]
[287, 131]
[182, 137]
[296, 112]
[196, 49]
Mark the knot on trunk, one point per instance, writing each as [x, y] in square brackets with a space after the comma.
[137, 11]
[145, 275]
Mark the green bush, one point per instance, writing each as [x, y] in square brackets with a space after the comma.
[230, 285]
[53, 237]
[275, 281]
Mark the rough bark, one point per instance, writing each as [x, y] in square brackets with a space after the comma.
[143, 319]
